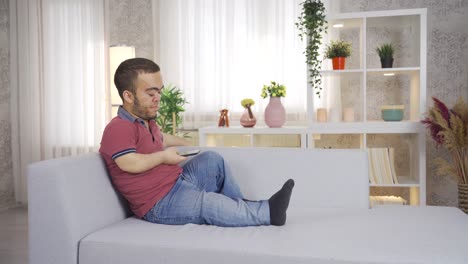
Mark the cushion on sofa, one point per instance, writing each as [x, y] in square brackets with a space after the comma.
[382, 235]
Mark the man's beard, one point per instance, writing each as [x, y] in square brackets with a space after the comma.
[139, 111]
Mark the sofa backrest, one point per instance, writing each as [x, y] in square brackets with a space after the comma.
[324, 178]
[72, 197]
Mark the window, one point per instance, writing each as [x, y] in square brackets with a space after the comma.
[117, 54]
[220, 51]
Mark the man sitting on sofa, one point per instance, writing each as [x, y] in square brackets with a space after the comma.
[143, 164]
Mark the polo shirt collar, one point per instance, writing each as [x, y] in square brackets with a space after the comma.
[122, 113]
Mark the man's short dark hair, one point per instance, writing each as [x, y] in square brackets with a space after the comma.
[127, 73]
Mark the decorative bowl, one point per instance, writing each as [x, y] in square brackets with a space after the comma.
[392, 112]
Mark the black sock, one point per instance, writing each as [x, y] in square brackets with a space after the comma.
[279, 203]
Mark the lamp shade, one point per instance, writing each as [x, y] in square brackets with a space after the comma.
[118, 54]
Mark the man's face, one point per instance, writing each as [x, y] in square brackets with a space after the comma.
[147, 95]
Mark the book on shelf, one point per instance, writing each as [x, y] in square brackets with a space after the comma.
[386, 200]
[382, 166]
[391, 154]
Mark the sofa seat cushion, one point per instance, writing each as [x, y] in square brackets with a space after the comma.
[381, 235]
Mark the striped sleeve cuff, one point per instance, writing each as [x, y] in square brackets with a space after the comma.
[123, 152]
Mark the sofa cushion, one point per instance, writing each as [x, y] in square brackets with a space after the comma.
[381, 235]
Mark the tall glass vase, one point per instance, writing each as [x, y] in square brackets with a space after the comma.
[275, 114]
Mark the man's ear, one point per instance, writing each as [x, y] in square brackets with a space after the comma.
[128, 96]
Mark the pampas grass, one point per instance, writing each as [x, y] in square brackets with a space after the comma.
[449, 129]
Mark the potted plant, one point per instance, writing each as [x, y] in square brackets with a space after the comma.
[247, 118]
[311, 26]
[338, 51]
[449, 129]
[275, 114]
[170, 106]
[385, 52]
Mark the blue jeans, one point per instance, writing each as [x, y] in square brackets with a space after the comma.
[206, 193]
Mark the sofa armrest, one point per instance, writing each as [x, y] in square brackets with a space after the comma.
[68, 199]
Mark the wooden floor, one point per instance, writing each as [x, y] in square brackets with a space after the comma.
[14, 236]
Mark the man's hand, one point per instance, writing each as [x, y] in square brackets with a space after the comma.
[171, 156]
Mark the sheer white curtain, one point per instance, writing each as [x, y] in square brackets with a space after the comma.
[221, 51]
[58, 81]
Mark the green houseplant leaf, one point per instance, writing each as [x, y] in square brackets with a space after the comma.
[338, 48]
[385, 51]
[312, 25]
[172, 101]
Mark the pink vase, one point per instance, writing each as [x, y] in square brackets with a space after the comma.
[275, 114]
[246, 120]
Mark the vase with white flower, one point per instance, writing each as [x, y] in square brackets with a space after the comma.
[248, 119]
[275, 114]
[449, 129]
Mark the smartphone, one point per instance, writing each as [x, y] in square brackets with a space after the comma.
[189, 152]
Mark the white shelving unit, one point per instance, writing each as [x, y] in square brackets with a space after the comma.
[364, 80]
[360, 86]
[251, 132]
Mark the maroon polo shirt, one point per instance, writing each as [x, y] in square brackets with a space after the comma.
[125, 134]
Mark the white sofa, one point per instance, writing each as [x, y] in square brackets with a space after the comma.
[75, 216]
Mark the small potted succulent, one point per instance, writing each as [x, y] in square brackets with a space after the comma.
[385, 52]
[338, 51]
[247, 118]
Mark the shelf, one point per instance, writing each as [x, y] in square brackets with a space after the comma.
[375, 127]
[402, 70]
[252, 130]
[347, 23]
[337, 72]
[258, 130]
[396, 71]
[403, 127]
[403, 182]
[374, 14]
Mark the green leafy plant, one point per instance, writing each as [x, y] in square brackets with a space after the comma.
[311, 26]
[385, 51]
[273, 90]
[247, 103]
[338, 48]
[171, 105]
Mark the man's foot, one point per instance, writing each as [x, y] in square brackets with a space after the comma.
[279, 203]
